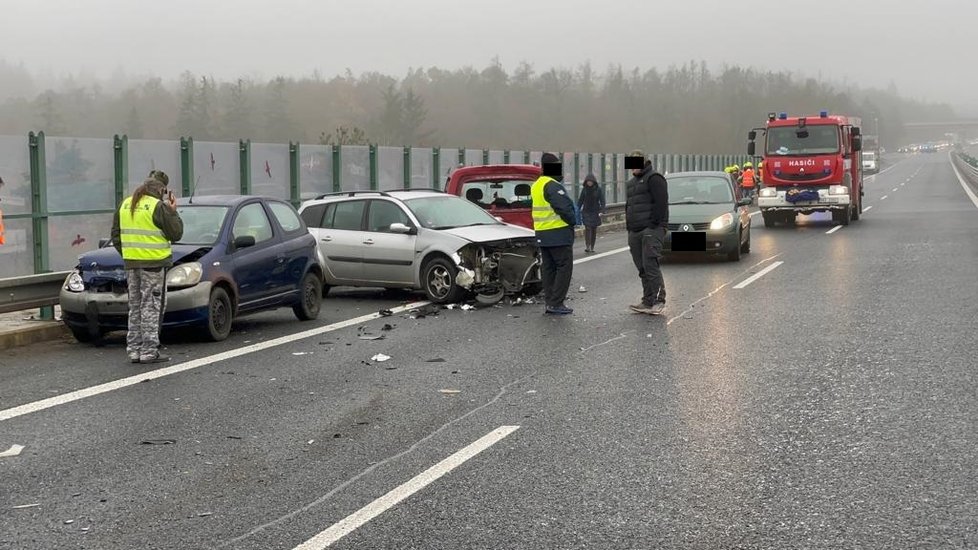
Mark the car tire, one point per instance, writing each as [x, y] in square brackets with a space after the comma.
[84, 336]
[844, 217]
[438, 280]
[310, 298]
[768, 219]
[220, 315]
[858, 210]
[734, 254]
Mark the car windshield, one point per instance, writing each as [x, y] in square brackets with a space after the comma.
[810, 140]
[448, 212]
[502, 193]
[699, 190]
[201, 224]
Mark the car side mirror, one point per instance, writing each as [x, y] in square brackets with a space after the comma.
[402, 229]
[746, 201]
[244, 241]
[752, 135]
[857, 143]
[856, 131]
[750, 148]
[104, 242]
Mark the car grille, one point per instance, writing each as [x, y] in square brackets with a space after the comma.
[108, 286]
[692, 226]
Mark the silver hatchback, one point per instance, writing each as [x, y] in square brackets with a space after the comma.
[422, 239]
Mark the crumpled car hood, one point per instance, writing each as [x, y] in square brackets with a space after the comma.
[488, 233]
[105, 264]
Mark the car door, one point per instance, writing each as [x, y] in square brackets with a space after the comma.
[293, 250]
[254, 267]
[388, 257]
[341, 239]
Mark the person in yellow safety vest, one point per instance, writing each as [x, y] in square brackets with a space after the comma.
[1, 219]
[554, 218]
[748, 180]
[142, 230]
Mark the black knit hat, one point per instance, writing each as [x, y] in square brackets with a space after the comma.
[549, 158]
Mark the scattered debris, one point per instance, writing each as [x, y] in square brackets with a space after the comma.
[467, 307]
[451, 306]
[205, 514]
[14, 450]
[380, 357]
[386, 313]
[22, 506]
[582, 289]
[435, 360]
[302, 353]
[326, 343]
[449, 391]
[234, 437]
[455, 372]
[387, 326]
[158, 442]
[531, 391]
[337, 436]
[310, 442]
[371, 336]
[69, 521]
[426, 311]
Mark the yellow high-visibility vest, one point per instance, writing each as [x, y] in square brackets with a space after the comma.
[141, 239]
[544, 216]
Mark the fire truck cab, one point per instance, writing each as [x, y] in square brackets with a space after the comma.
[811, 164]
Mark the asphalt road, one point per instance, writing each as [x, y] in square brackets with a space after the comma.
[830, 403]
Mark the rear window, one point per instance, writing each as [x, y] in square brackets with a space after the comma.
[313, 215]
[286, 216]
[505, 193]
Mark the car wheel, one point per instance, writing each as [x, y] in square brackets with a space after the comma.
[843, 216]
[734, 254]
[310, 299]
[84, 336]
[768, 219]
[858, 210]
[220, 314]
[490, 298]
[439, 282]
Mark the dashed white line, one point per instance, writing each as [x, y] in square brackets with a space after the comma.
[834, 229]
[602, 255]
[758, 275]
[895, 189]
[717, 289]
[867, 209]
[883, 198]
[391, 499]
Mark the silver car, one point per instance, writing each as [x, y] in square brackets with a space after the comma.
[422, 239]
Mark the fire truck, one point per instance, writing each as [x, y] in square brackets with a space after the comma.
[811, 164]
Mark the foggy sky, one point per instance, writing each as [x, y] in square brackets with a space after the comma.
[914, 45]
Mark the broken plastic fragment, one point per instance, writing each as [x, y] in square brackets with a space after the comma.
[386, 313]
[450, 391]
[14, 450]
[435, 360]
[380, 358]
[301, 353]
[22, 506]
[582, 289]
[371, 336]
[158, 442]
[467, 307]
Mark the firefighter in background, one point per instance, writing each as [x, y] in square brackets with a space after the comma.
[760, 173]
[748, 181]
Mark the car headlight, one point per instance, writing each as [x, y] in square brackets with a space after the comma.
[74, 282]
[723, 221]
[768, 192]
[183, 275]
[838, 190]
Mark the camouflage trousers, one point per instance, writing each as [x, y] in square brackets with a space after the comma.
[147, 301]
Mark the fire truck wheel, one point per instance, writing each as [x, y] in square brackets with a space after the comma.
[768, 219]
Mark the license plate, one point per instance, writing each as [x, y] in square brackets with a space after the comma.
[693, 241]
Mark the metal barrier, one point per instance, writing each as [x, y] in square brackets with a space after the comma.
[30, 291]
[967, 164]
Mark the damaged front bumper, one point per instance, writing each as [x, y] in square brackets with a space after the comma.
[499, 268]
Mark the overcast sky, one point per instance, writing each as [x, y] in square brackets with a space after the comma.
[918, 45]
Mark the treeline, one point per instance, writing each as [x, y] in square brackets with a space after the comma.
[688, 108]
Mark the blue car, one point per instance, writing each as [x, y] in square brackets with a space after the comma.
[238, 255]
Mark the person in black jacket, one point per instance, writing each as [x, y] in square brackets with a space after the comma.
[591, 203]
[647, 218]
[554, 218]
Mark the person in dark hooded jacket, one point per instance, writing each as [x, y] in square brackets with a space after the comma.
[647, 219]
[591, 202]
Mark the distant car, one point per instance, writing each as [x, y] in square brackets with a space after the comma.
[501, 189]
[706, 215]
[422, 239]
[238, 255]
[870, 162]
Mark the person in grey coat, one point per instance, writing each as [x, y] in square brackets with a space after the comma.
[591, 202]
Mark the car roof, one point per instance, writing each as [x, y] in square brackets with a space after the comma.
[400, 194]
[220, 200]
[699, 173]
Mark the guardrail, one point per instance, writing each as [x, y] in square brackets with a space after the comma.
[30, 291]
[968, 165]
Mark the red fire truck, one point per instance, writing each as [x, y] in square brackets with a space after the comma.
[811, 164]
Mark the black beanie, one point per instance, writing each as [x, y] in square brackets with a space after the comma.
[549, 158]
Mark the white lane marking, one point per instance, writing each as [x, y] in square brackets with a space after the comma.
[867, 209]
[718, 289]
[834, 229]
[28, 408]
[14, 450]
[902, 184]
[602, 255]
[964, 185]
[755, 213]
[883, 198]
[758, 275]
[395, 496]
[895, 189]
